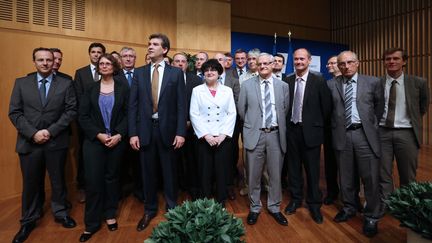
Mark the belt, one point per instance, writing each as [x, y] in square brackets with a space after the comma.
[270, 129]
[396, 128]
[298, 124]
[354, 126]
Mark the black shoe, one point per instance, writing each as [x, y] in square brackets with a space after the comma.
[370, 228]
[292, 207]
[342, 216]
[329, 200]
[144, 222]
[316, 215]
[24, 232]
[280, 218]
[252, 218]
[85, 237]
[66, 222]
[112, 227]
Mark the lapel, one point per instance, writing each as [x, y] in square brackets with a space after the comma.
[95, 100]
[339, 87]
[278, 95]
[360, 88]
[409, 88]
[165, 79]
[89, 73]
[309, 85]
[51, 91]
[35, 88]
[147, 82]
[209, 97]
[258, 92]
[117, 98]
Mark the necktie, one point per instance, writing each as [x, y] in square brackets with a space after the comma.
[267, 102]
[42, 91]
[240, 72]
[391, 105]
[129, 77]
[155, 87]
[95, 75]
[201, 76]
[349, 92]
[298, 101]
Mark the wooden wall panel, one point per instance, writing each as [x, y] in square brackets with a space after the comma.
[309, 20]
[114, 23]
[371, 26]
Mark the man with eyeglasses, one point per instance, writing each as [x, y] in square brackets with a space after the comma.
[310, 108]
[358, 107]
[263, 106]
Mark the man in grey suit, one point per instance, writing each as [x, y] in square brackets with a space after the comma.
[42, 105]
[406, 101]
[357, 107]
[263, 106]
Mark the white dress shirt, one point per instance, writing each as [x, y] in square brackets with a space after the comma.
[93, 70]
[304, 81]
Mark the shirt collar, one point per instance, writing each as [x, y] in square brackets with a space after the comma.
[161, 64]
[304, 77]
[400, 79]
[354, 78]
[92, 67]
[269, 79]
[48, 79]
[126, 71]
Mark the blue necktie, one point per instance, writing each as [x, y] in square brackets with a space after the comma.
[129, 77]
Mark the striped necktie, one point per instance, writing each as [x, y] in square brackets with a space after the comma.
[268, 105]
[349, 96]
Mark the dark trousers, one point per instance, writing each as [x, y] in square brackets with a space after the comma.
[402, 145]
[130, 174]
[33, 167]
[188, 170]
[212, 160]
[101, 166]
[300, 155]
[330, 165]
[151, 156]
[232, 170]
[80, 177]
[357, 159]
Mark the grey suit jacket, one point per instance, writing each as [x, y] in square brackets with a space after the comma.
[250, 110]
[28, 114]
[234, 84]
[370, 106]
[417, 102]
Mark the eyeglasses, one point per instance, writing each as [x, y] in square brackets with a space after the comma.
[347, 63]
[264, 63]
[108, 64]
[130, 56]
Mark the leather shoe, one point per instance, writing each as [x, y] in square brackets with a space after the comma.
[252, 218]
[280, 218]
[66, 222]
[292, 207]
[24, 232]
[370, 228]
[342, 216]
[144, 222]
[112, 227]
[85, 237]
[316, 215]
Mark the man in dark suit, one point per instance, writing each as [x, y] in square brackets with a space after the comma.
[406, 101]
[240, 58]
[84, 78]
[229, 80]
[188, 171]
[310, 107]
[157, 124]
[58, 59]
[201, 57]
[279, 63]
[41, 108]
[357, 107]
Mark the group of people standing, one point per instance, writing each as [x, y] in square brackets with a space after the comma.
[161, 120]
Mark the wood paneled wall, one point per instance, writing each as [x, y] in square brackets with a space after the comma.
[308, 19]
[72, 25]
[369, 27]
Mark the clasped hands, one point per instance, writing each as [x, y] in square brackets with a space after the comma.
[214, 140]
[41, 136]
[109, 141]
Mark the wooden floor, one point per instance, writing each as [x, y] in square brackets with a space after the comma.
[301, 228]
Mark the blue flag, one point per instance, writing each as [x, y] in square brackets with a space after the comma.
[290, 60]
[274, 44]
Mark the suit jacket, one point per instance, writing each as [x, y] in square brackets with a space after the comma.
[213, 115]
[192, 80]
[250, 110]
[171, 105]
[370, 106]
[233, 72]
[90, 116]
[83, 81]
[316, 108]
[122, 77]
[417, 102]
[60, 74]
[234, 84]
[28, 115]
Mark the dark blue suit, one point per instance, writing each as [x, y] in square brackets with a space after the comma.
[157, 136]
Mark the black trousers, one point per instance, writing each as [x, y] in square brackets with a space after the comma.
[300, 155]
[151, 157]
[130, 174]
[232, 170]
[213, 160]
[33, 167]
[80, 177]
[188, 170]
[330, 165]
[101, 166]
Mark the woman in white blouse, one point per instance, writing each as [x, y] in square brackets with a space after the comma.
[213, 116]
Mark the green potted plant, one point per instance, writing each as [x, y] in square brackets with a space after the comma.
[412, 206]
[202, 220]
